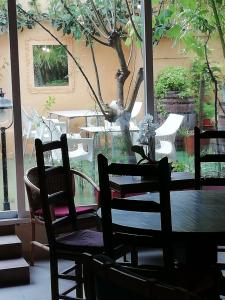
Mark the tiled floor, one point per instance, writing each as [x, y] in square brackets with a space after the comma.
[39, 287]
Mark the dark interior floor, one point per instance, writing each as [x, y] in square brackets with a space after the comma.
[39, 287]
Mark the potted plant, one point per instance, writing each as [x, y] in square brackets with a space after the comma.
[208, 115]
[173, 89]
[188, 136]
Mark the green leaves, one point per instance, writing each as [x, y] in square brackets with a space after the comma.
[189, 4]
[173, 79]
[139, 150]
[174, 32]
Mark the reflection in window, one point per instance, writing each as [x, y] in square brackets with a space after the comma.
[50, 64]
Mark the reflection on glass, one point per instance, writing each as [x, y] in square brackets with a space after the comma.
[50, 66]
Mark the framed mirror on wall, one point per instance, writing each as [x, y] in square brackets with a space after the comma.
[49, 66]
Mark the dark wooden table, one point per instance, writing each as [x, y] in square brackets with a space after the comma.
[134, 184]
[198, 222]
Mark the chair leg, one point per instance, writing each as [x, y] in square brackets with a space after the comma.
[134, 256]
[79, 275]
[54, 277]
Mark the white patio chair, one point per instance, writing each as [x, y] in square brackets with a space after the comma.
[166, 134]
[32, 128]
[135, 111]
[80, 148]
[45, 121]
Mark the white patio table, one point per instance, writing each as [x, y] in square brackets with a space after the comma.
[99, 129]
[94, 130]
[71, 114]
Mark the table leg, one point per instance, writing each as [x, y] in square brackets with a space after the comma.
[200, 257]
[201, 253]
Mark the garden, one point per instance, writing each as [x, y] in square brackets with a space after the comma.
[193, 86]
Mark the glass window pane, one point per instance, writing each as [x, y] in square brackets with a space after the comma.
[50, 65]
[8, 198]
[104, 75]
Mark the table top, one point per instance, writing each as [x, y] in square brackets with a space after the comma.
[77, 113]
[115, 128]
[131, 184]
[194, 214]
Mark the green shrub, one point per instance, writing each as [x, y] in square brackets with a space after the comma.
[208, 110]
[176, 79]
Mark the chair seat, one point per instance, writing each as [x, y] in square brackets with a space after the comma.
[82, 240]
[62, 211]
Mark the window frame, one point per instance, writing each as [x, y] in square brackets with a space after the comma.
[30, 67]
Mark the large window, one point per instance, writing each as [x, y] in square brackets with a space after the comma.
[43, 75]
[49, 68]
[50, 65]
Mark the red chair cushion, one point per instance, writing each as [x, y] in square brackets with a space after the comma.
[62, 211]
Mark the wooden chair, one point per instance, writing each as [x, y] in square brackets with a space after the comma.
[209, 182]
[55, 184]
[72, 244]
[160, 174]
[200, 158]
[104, 279]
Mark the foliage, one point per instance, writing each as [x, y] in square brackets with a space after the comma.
[199, 71]
[144, 157]
[178, 166]
[193, 24]
[175, 79]
[50, 101]
[208, 110]
[50, 65]
[146, 130]
[190, 21]
[183, 131]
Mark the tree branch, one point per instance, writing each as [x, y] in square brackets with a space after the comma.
[139, 79]
[98, 16]
[96, 73]
[123, 73]
[114, 8]
[82, 27]
[218, 25]
[213, 79]
[132, 22]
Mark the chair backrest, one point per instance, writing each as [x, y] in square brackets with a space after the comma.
[55, 184]
[136, 109]
[160, 174]
[34, 125]
[50, 198]
[214, 155]
[79, 148]
[170, 126]
[105, 279]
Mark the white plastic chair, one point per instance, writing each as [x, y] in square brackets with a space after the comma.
[79, 148]
[36, 126]
[45, 121]
[32, 128]
[135, 111]
[166, 134]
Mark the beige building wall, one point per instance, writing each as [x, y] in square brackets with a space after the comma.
[78, 95]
